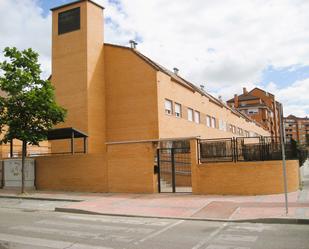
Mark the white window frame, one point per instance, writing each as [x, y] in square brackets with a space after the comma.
[220, 125]
[190, 114]
[208, 122]
[213, 122]
[197, 117]
[178, 112]
[168, 106]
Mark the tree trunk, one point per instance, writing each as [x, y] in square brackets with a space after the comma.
[24, 151]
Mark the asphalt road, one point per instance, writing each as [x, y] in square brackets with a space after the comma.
[32, 225]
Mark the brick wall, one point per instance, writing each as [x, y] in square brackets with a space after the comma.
[242, 178]
[131, 168]
[87, 172]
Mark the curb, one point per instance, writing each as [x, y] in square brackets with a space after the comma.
[257, 220]
[39, 198]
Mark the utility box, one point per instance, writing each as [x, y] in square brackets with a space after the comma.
[12, 173]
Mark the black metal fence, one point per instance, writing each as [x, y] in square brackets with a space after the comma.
[217, 150]
[247, 149]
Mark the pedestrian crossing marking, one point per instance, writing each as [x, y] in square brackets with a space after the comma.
[136, 221]
[238, 238]
[53, 244]
[96, 227]
[226, 247]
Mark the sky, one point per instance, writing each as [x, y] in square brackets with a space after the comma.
[224, 45]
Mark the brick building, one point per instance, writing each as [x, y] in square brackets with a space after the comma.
[130, 107]
[261, 106]
[297, 128]
[115, 93]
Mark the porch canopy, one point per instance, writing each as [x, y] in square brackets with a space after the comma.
[65, 133]
[68, 133]
[61, 134]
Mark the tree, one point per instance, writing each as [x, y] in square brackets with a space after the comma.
[28, 109]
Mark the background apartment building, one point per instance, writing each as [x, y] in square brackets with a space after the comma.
[298, 129]
[261, 106]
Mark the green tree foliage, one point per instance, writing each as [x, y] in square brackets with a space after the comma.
[27, 106]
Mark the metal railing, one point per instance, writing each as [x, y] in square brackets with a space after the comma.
[246, 149]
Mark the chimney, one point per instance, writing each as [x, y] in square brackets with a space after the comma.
[202, 87]
[245, 90]
[220, 98]
[176, 70]
[236, 102]
[133, 44]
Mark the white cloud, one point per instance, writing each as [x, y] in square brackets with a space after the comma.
[294, 97]
[224, 44]
[23, 26]
[244, 36]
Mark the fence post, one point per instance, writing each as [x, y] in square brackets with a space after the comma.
[262, 148]
[173, 170]
[159, 174]
[234, 149]
[198, 146]
[194, 151]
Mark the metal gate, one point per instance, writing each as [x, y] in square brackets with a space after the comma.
[174, 170]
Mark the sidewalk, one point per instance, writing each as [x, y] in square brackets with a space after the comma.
[186, 206]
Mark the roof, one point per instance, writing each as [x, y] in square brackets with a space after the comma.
[173, 76]
[259, 89]
[65, 133]
[75, 2]
[244, 97]
[294, 117]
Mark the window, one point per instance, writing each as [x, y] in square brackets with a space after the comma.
[68, 21]
[221, 128]
[190, 114]
[178, 110]
[208, 121]
[168, 107]
[213, 122]
[253, 111]
[197, 117]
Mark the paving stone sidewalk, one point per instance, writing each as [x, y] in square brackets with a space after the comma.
[185, 205]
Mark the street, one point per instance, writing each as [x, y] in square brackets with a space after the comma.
[33, 224]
